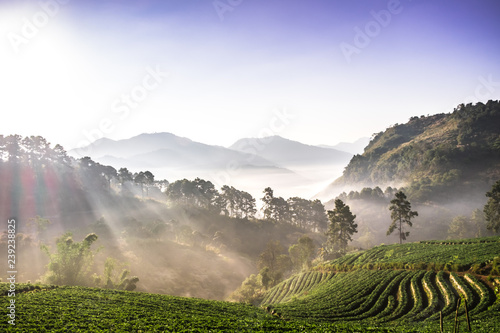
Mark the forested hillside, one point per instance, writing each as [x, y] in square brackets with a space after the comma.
[436, 158]
[198, 240]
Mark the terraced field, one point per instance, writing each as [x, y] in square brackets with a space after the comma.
[78, 309]
[383, 296]
[297, 285]
[461, 253]
[325, 299]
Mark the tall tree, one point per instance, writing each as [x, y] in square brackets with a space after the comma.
[341, 228]
[401, 214]
[140, 178]
[124, 176]
[275, 208]
[267, 200]
[492, 208]
[318, 216]
[149, 179]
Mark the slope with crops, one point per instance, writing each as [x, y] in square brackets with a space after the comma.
[391, 285]
[41, 308]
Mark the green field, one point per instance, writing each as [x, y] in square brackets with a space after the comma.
[78, 309]
[464, 254]
[321, 300]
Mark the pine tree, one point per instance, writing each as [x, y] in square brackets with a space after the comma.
[341, 228]
[401, 213]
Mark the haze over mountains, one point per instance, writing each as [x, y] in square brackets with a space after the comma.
[356, 147]
[252, 164]
[290, 153]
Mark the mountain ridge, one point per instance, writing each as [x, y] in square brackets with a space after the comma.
[289, 152]
[432, 156]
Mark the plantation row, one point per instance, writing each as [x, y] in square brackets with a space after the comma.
[386, 296]
[79, 309]
[295, 286]
[425, 255]
[463, 241]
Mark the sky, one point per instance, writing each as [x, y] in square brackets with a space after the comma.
[317, 71]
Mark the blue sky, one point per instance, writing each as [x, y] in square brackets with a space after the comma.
[340, 70]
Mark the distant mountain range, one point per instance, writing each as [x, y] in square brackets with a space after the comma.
[159, 150]
[354, 148]
[289, 166]
[436, 158]
[288, 153]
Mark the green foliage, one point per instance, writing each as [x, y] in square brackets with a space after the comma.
[236, 203]
[302, 253]
[71, 262]
[111, 279]
[401, 214]
[102, 310]
[250, 291]
[276, 261]
[275, 208]
[341, 228]
[391, 297]
[492, 208]
[198, 192]
[307, 214]
[439, 157]
[434, 254]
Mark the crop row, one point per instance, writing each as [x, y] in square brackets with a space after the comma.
[388, 296]
[295, 286]
[78, 309]
[428, 255]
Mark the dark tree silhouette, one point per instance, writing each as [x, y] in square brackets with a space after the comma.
[401, 214]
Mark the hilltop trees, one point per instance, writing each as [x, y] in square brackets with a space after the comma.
[144, 178]
[492, 208]
[236, 203]
[198, 192]
[275, 208]
[306, 214]
[341, 228]
[401, 213]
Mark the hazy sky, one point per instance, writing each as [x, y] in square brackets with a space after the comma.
[316, 71]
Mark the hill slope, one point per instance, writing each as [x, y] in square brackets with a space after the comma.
[437, 156]
[42, 308]
[358, 300]
[393, 286]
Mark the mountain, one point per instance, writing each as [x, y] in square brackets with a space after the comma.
[288, 153]
[436, 158]
[353, 148]
[166, 150]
